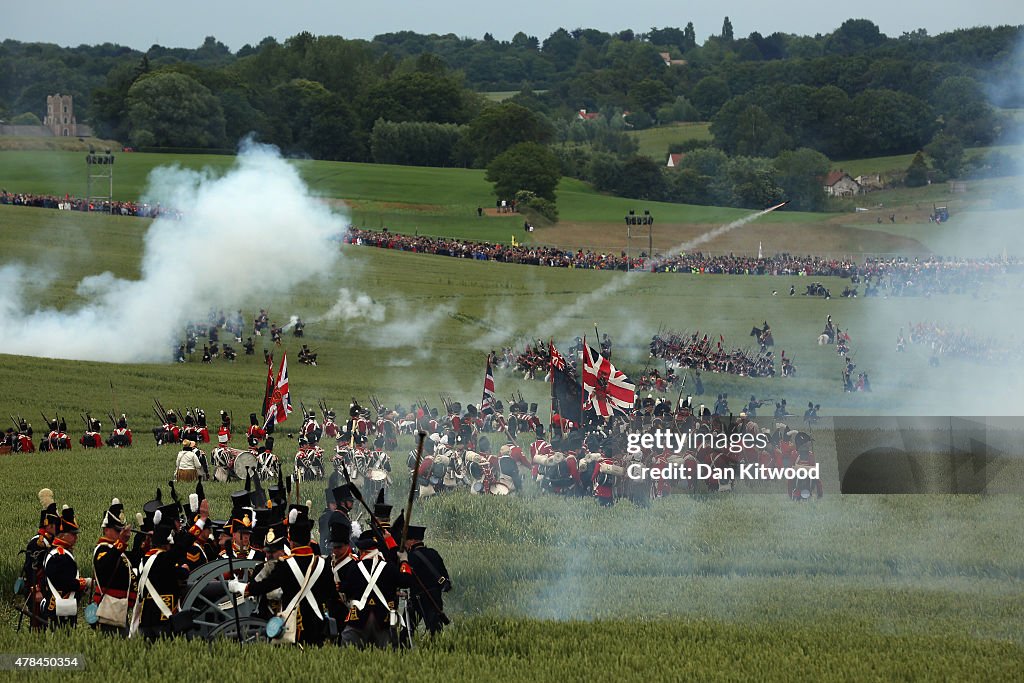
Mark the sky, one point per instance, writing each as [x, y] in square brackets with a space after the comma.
[185, 23]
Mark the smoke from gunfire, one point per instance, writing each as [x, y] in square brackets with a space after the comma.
[254, 232]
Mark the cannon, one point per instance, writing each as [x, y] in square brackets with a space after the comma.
[212, 608]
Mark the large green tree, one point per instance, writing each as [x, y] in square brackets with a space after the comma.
[169, 109]
[799, 174]
[501, 126]
[526, 166]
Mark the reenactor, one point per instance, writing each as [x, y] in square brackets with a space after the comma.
[115, 587]
[307, 589]
[430, 581]
[368, 582]
[162, 579]
[121, 436]
[92, 437]
[35, 552]
[188, 466]
[250, 347]
[62, 585]
[339, 507]
[255, 430]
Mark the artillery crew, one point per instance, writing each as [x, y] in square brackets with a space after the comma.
[115, 587]
[62, 585]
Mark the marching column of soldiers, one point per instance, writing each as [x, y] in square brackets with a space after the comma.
[355, 587]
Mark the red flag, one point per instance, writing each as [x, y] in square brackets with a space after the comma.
[268, 391]
[557, 359]
[487, 403]
[280, 401]
[607, 389]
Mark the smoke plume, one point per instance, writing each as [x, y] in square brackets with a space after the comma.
[254, 232]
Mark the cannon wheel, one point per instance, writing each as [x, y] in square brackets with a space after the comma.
[212, 614]
[254, 630]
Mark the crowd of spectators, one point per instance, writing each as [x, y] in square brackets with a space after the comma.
[897, 275]
[894, 276]
[69, 203]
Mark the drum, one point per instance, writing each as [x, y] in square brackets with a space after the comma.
[242, 462]
[221, 474]
[374, 474]
[476, 472]
[502, 487]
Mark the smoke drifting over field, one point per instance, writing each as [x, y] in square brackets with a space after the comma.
[558, 323]
[256, 231]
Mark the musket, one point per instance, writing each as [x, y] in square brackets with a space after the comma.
[113, 398]
[420, 437]
[374, 522]
[17, 425]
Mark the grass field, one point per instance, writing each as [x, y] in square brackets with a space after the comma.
[654, 142]
[734, 587]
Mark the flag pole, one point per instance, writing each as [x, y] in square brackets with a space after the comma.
[551, 378]
[583, 382]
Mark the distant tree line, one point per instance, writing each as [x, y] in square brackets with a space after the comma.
[778, 104]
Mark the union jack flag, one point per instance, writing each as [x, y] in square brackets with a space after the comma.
[607, 389]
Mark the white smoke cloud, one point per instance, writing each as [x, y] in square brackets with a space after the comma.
[352, 306]
[254, 232]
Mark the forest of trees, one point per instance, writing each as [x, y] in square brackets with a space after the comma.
[780, 106]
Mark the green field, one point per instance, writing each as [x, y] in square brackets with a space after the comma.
[654, 142]
[737, 587]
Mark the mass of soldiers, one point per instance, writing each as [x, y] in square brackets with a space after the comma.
[945, 339]
[214, 348]
[703, 352]
[352, 587]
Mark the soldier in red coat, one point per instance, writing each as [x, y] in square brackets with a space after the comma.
[92, 437]
[121, 436]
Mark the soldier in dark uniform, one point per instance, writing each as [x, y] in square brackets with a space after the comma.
[369, 584]
[35, 552]
[430, 582]
[240, 525]
[339, 506]
[115, 576]
[250, 347]
[319, 601]
[62, 585]
[161, 584]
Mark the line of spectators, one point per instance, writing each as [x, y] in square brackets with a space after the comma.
[69, 203]
[895, 276]
[941, 273]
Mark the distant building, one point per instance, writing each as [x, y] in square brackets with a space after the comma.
[841, 184]
[674, 159]
[58, 122]
[667, 58]
[584, 115]
[870, 182]
[60, 116]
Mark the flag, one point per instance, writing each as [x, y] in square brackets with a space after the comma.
[557, 359]
[280, 401]
[487, 403]
[268, 391]
[607, 389]
[514, 242]
[565, 396]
